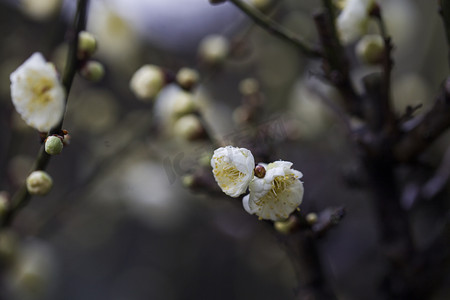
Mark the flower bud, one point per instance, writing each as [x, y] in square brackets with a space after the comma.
[311, 218]
[249, 86]
[39, 183]
[370, 49]
[187, 78]
[188, 127]
[147, 82]
[286, 227]
[214, 49]
[188, 180]
[53, 145]
[87, 44]
[4, 203]
[93, 71]
[183, 104]
[260, 171]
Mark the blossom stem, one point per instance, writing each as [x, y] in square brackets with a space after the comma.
[274, 28]
[22, 196]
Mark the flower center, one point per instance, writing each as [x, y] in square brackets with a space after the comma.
[228, 174]
[280, 185]
[41, 91]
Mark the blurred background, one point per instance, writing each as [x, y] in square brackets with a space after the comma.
[122, 222]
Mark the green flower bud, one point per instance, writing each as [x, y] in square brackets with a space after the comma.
[53, 145]
[39, 183]
[370, 49]
[188, 181]
[93, 71]
[87, 44]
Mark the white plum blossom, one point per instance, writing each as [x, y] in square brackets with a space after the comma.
[233, 169]
[276, 195]
[37, 93]
[353, 20]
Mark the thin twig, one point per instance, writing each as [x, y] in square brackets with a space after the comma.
[445, 14]
[22, 196]
[427, 129]
[276, 29]
[387, 64]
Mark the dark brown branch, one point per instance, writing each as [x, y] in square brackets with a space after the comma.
[274, 28]
[444, 10]
[427, 128]
[335, 64]
[387, 64]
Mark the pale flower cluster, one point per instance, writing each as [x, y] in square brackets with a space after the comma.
[352, 22]
[274, 194]
[37, 93]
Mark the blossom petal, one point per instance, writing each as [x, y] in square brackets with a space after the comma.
[37, 94]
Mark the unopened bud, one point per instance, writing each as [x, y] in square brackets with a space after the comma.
[187, 181]
[39, 183]
[205, 159]
[187, 78]
[147, 82]
[260, 171]
[188, 127]
[87, 44]
[183, 104]
[249, 86]
[286, 227]
[4, 203]
[370, 49]
[93, 71]
[53, 145]
[214, 49]
[311, 218]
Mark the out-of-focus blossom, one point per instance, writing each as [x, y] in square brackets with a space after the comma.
[33, 274]
[214, 49]
[116, 38]
[147, 82]
[40, 9]
[233, 169]
[353, 20]
[276, 195]
[37, 94]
